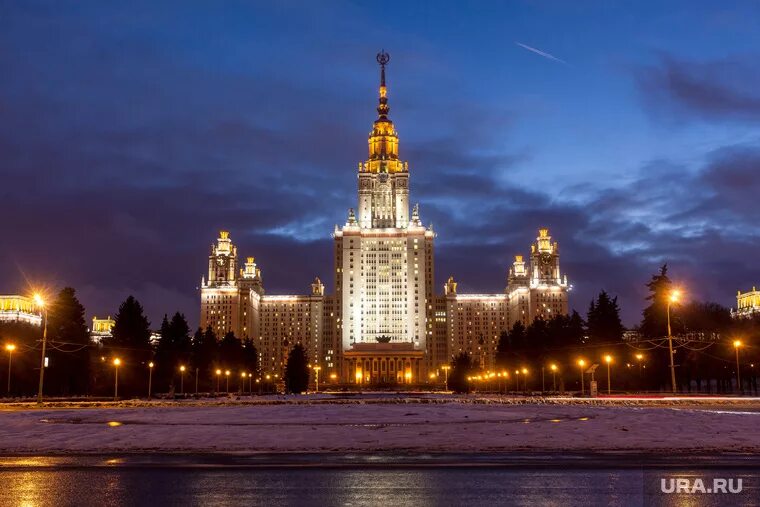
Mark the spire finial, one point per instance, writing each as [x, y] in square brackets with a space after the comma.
[383, 58]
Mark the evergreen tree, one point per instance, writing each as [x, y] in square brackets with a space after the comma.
[250, 357]
[654, 321]
[297, 370]
[502, 350]
[461, 368]
[205, 356]
[130, 343]
[603, 320]
[231, 352]
[517, 336]
[576, 331]
[164, 359]
[69, 342]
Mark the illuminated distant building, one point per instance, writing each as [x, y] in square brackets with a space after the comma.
[101, 328]
[747, 304]
[19, 309]
[384, 324]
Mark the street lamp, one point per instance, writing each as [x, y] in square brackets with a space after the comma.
[116, 363]
[316, 378]
[227, 375]
[639, 357]
[525, 378]
[10, 348]
[242, 382]
[737, 346]
[182, 379]
[608, 360]
[150, 377]
[218, 374]
[41, 303]
[446, 369]
[553, 368]
[250, 383]
[581, 363]
[675, 295]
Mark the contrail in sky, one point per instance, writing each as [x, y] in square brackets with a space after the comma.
[541, 53]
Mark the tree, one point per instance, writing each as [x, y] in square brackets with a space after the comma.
[165, 358]
[461, 368]
[131, 344]
[502, 350]
[205, 354]
[654, 322]
[603, 320]
[69, 342]
[297, 370]
[231, 352]
[517, 336]
[250, 356]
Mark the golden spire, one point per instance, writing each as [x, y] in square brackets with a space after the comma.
[382, 109]
[383, 141]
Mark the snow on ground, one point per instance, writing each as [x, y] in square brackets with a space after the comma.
[384, 423]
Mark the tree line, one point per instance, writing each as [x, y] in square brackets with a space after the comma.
[76, 366]
[639, 362]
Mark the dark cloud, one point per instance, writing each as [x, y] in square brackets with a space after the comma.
[716, 90]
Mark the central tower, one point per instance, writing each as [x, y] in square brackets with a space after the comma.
[384, 263]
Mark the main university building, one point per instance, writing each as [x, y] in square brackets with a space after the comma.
[385, 323]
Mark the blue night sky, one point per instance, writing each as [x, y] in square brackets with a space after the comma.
[131, 132]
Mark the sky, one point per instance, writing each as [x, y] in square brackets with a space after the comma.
[132, 132]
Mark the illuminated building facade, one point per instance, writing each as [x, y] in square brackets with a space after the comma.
[15, 308]
[747, 304]
[101, 328]
[384, 324]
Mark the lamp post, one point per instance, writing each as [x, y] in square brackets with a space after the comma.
[553, 368]
[218, 374]
[639, 357]
[737, 346]
[182, 380]
[41, 303]
[581, 363]
[10, 348]
[525, 378]
[242, 382]
[608, 360]
[446, 369]
[673, 298]
[116, 363]
[250, 384]
[316, 378]
[150, 377]
[543, 383]
[227, 375]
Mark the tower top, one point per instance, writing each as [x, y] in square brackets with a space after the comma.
[382, 109]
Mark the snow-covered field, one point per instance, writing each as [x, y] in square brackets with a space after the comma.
[385, 423]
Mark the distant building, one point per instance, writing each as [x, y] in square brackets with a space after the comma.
[101, 328]
[20, 309]
[747, 304]
[384, 323]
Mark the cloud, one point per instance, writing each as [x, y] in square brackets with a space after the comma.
[712, 90]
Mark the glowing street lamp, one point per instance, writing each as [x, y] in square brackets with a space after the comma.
[218, 374]
[116, 364]
[316, 378]
[182, 379]
[737, 346]
[150, 377]
[446, 369]
[10, 348]
[582, 364]
[242, 381]
[525, 378]
[674, 297]
[227, 375]
[553, 368]
[41, 303]
[608, 360]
